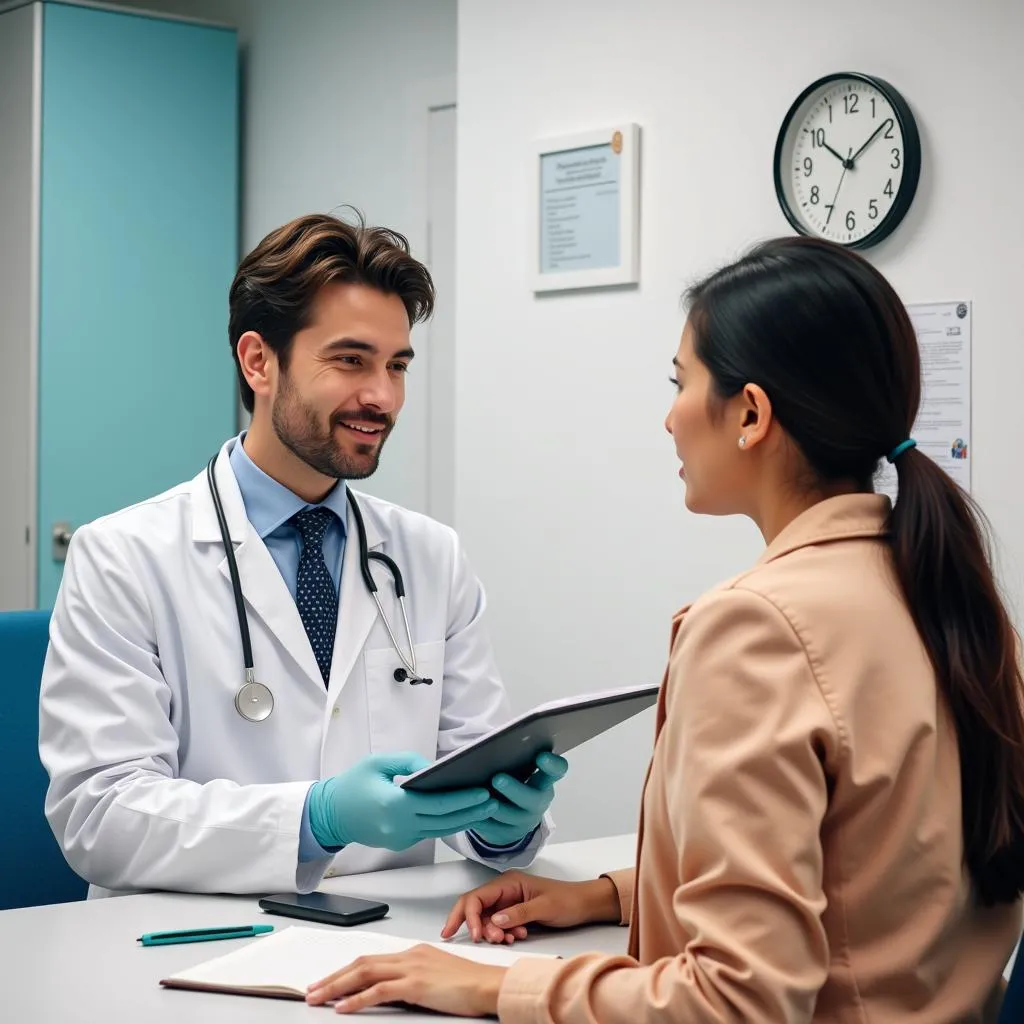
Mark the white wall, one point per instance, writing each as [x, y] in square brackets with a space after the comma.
[335, 111]
[567, 495]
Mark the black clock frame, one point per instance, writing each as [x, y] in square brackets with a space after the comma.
[911, 153]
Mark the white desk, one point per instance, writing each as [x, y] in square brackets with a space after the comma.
[80, 962]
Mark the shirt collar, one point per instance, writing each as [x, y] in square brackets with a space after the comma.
[269, 504]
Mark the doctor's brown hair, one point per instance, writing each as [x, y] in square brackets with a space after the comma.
[276, 284]
[827, 338]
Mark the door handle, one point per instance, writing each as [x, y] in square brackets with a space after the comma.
[60, 534]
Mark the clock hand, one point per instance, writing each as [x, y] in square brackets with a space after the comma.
[847, 164]
[840, 158]
[888, 122]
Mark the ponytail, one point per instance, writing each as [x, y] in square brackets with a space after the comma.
[942, 557]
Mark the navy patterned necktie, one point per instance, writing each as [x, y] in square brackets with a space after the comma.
[315, 595]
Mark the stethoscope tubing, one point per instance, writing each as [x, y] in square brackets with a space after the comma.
[264, 698]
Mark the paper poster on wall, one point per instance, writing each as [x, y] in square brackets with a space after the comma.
[943, 427]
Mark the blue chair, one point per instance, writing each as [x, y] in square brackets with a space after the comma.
[33, 870]
[1013, 1002]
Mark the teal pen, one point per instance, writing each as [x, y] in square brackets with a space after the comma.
[204, 934]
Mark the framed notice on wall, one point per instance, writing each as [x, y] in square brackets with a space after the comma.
[586, 211]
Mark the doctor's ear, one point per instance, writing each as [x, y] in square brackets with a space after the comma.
[258, 363]
[755, 410]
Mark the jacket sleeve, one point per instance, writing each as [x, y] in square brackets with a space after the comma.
[474, 700]
[624, 881]
[116, 806]
[735, 804]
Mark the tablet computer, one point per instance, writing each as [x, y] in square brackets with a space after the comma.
[557, 727]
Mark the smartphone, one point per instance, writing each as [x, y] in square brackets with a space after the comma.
[324, 907]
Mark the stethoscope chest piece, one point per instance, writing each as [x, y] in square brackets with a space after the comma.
[401, 675]
[254, 702]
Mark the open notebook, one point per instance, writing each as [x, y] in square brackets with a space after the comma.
[284, 965]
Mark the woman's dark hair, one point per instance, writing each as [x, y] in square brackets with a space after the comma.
[827, 338]
[276, 284]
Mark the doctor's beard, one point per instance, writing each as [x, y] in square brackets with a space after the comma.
[297, 427]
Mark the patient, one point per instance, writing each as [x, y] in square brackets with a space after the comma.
[833, 820]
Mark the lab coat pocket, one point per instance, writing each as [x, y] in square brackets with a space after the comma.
[403, 716]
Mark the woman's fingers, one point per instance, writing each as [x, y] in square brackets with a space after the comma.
[475, 907]
[358, 975]
[423, 976]
[471, 908]
[375, 995]
[456, 918]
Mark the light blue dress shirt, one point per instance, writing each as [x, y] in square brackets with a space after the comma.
[269, 506]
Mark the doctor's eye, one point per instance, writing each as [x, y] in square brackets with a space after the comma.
[675, 383]
[399, 367]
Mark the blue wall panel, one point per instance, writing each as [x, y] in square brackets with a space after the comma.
[139, 216]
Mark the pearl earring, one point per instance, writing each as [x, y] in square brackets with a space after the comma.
[743, 442]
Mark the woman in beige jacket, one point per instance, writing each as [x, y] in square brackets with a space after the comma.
[833, 816]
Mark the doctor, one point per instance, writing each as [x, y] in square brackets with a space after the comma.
[180, 759]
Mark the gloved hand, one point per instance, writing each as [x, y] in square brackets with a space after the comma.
[523, 804]
[363, 805]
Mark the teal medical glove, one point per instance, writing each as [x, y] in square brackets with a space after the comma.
[363, 805]
[522, 805]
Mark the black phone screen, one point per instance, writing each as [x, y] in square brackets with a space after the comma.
[325, 908]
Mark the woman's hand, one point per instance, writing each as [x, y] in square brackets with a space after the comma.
[422, 976]
[500, 910]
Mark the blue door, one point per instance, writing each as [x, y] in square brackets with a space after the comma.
[138, 245]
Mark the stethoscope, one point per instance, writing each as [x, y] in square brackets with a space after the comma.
[254, 701]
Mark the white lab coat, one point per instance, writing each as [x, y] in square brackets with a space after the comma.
[156, 782]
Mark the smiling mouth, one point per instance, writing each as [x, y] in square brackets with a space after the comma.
[367, 430]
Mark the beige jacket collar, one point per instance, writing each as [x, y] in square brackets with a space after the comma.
[846, 517]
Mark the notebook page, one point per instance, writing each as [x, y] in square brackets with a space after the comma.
[292, 959]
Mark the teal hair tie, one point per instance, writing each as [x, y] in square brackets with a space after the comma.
[901, 448]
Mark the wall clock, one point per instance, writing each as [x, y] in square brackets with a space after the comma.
[847, 160]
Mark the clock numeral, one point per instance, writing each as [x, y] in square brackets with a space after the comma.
[872, 106]
[808, 166]
[873, 209]
[829, 105]
[888, 188]
[851, 221]
[895, 159]
[818, 138]
[815, 195]
[850, 102]
[830, 208]
[888, 131]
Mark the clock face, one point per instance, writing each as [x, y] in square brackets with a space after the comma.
[847, 160]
